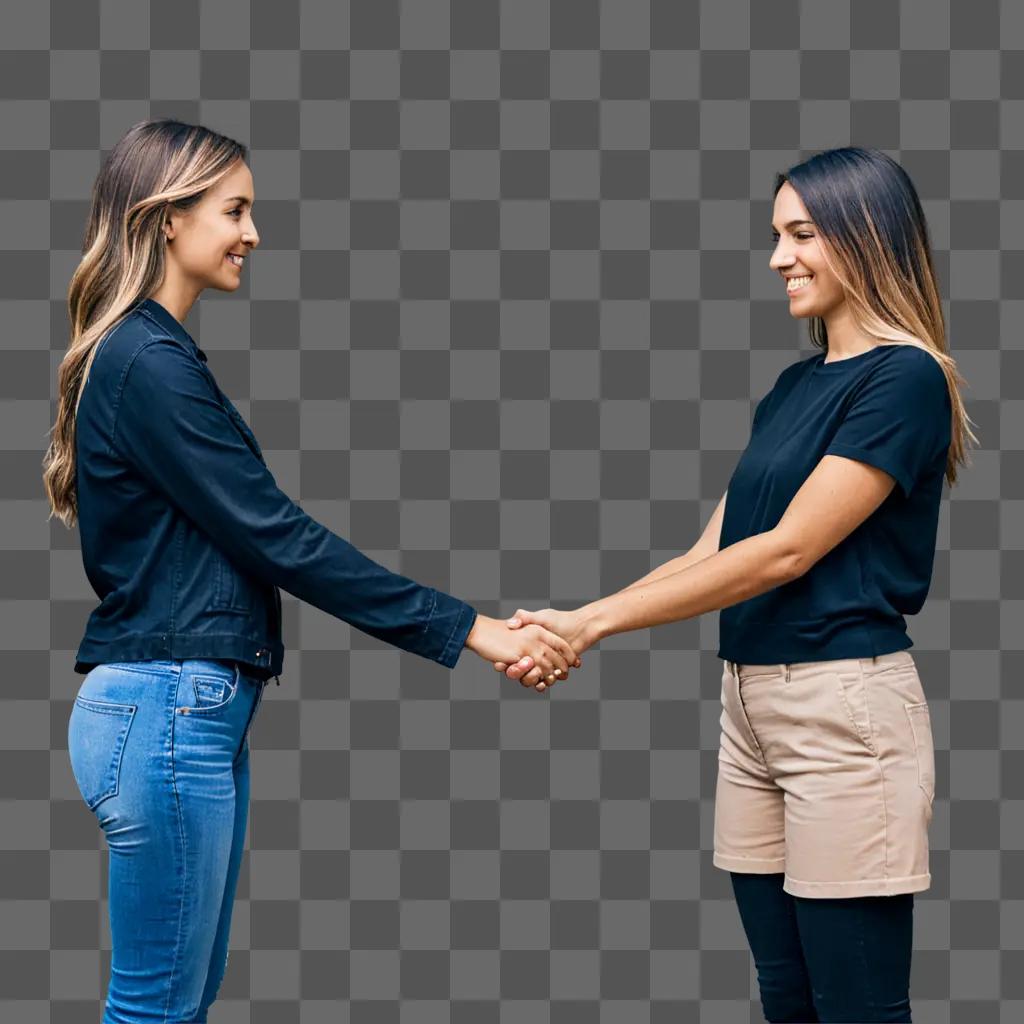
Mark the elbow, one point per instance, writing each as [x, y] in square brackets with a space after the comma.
[787, 561]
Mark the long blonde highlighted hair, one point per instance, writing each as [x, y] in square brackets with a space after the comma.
[156, 165]
[874, 238]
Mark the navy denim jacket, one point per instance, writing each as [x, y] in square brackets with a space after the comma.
[186, 537]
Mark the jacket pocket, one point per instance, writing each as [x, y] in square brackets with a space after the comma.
[97, 734]
[232, 590]
[924, 746]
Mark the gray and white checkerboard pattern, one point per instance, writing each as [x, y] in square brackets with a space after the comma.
[510, 313]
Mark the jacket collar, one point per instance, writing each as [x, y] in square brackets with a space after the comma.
[166, 320]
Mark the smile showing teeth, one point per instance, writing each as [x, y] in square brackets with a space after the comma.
[794, 284]
[237, 260]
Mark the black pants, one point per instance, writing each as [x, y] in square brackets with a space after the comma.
[843, 959]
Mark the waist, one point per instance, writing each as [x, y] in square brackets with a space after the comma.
[796, 670]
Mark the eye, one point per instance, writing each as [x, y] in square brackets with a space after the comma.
[802, 235]
[236, 210]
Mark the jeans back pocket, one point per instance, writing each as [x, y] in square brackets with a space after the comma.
[97, 734]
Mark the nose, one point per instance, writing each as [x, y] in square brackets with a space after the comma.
[780, 259]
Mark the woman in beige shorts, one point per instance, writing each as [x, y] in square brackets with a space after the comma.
[826, 766]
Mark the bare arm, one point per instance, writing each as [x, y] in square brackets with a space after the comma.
[834, 500]
[704, 548]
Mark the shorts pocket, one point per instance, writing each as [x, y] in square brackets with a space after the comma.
[212, 692]
[853, 696]
[97, 733]
[924, 746]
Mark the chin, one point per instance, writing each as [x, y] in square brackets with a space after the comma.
[803, 314]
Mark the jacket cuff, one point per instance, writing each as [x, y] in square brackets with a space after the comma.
[449, 625]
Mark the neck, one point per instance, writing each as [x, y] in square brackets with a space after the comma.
[176, 296]
[844, 338]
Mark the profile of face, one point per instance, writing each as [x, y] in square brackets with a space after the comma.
[205, 240]
[812, 288]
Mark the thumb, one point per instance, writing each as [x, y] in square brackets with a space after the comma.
[519, 668]
[517, 620]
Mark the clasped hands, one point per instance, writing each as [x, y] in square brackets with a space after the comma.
[536, 648]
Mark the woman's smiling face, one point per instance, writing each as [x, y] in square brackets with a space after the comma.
[798, 256]
[219, 224]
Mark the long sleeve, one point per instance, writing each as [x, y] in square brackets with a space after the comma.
[171, 426]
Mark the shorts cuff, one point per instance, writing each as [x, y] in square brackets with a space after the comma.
[858, 887]
[749, 865]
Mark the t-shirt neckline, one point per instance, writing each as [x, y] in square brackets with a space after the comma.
[841, 365]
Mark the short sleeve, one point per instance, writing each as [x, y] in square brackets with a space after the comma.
[899, 419]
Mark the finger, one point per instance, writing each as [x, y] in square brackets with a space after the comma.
[519, 618]
[532, 678]
[545, 673]
[551, 659]
[516, 670]
[563, 647]
[500, 666]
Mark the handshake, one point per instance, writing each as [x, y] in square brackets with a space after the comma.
[536, 648]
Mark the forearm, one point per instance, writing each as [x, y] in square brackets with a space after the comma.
[743, 570]
[174, 430]
[669, 568]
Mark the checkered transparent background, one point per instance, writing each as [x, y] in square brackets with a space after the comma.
[509, 317]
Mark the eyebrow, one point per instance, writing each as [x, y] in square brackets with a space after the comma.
[238, 199]
[793, 223]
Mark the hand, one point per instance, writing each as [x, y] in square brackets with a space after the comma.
[573, 626]
[541, 653]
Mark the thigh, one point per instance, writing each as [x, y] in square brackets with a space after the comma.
[219, 953]
[163, 792]
[749, 815]
[769, 919]
[857, 819]
[840, 740]
[858, 954]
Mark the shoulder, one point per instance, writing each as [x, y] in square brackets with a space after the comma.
[910, 371]
[119, 348]
[160, 362]
[792, 373]
[128, 336]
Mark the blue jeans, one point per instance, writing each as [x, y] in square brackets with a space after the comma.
[160, 753]
[834, 959]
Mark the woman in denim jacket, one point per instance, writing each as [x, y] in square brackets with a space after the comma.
[186, 539]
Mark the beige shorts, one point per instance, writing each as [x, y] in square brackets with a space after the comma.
[826, 771]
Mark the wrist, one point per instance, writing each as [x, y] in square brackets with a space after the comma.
[473, 636]
[594, 618]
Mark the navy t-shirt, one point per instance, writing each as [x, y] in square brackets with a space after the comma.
[889, 407]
